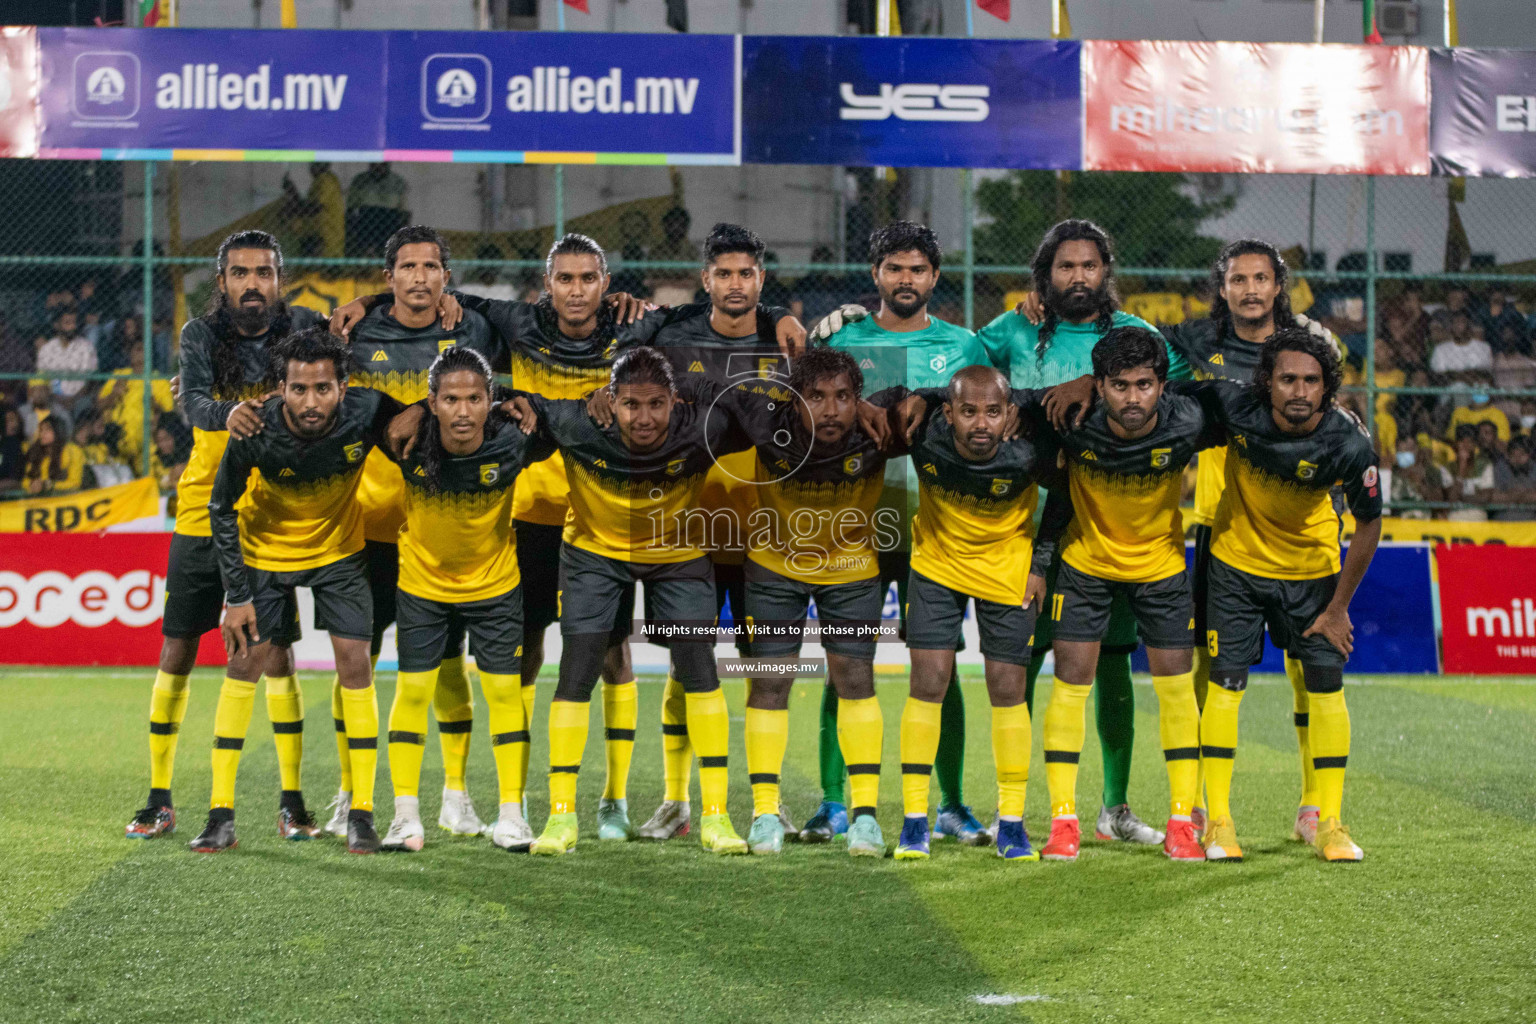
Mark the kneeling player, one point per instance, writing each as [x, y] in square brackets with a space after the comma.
[971, 541]
[1125, 465]
[458, 571]
[1275, 561]
[303, 528]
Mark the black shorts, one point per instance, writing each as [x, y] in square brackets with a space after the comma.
[1080, 608]
[194, 594]
[343, 605]
[731, 586]
[495, 625]
[1241, 604]
[597, 594]
[383, 581]
[1119, 636]
[779, 603]
[936, 614]
[1199, 584]
[538, 563]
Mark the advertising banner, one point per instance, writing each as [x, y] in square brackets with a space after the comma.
[211, 90]
[911, 102]
[1488, 608]
[84, 511]
[1255, 107]
[18, 92]
[1482, 118]
[540, 94]
[1444, 531]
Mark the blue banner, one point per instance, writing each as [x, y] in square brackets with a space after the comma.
[565, 93]
[167, 89]
[917, 102]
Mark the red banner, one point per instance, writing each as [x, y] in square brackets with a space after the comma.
[18, 92]
[86, 599]
[1488, 608]
[1255, 107]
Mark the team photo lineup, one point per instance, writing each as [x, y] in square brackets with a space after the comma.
[474, 471]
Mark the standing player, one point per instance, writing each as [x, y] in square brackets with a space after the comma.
[1275, 560]
[903, 344]
[1074, 305]
[1125, 465]
[224, 370]
[1252, 301]
[458, 571]
[303, 527]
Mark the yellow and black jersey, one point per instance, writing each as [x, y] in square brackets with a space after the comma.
[387, 356]
[209, 404]
[1276, 518]
[458, 544]
[1214, 355]
[1126, 524]
[973, 531]
[636, 506]
[303, 511]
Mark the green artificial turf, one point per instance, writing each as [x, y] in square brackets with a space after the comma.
[1438, 923]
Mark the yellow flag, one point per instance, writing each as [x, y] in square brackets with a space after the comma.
[895, 19]
[83, 511]
[290, 15]
[1452, 32]
[1061, 23]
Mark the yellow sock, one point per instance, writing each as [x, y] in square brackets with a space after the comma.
[1330, 750]
[767, 738]
[285, 706]
[1178, 726]
[343, 752]
[455, 708]
[860, 730]
[1202, 683]
[1062, 738]
[709, 732]
[919, 746]
[1300, 706]
[230, 721]
[408, 729]
[567, 744]
[509, 731]
[621, 709]
[360, 710]
[1218, 747]
[676, 750]
[167, 707]
[1010, 752]
[530, 692]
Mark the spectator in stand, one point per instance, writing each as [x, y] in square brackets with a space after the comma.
[12, 449]
[1408, 349]
[69, 351]
[1489, 441]
[41, 405]
[1415, 477]
[318, 218]
[376, 209]
[122, 404]
[1498, 315]
[54, 465]
[774, 292]
[173, 446]
[1480, 410]
[1462, 355]
[103, 468]
[1527, 418]
[1413, 341]
[1472, 476]
[677, 286]
[1456, 301]
[1514, 482]
[1387, 376]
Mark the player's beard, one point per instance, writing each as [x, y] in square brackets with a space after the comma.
[1298, 413]
[981, 443]
[307, 433]
[1251, 323]
[1132, 418]
[907, 303]
[250, 320]
[1077, 303]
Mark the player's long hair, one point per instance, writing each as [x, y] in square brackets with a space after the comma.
[1221, 313]
[641, 365]
[821, 363]
[573, 244]
[228, 375]
[429, 437]
[1040, 271]
[1299, 339]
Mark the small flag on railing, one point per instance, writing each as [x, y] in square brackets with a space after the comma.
[1368, 29]
[996, 8]
[148, 13]
[677, 15]
[1061, 23]
[580, 5]
[290, 15]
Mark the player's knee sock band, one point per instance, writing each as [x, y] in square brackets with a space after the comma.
[1178, 726]
[1010, 753]
[829, 753]
[1115, 707]
[509, 732]
[454, 704]
[408, 730]
[230, 722]
[360, 711]
[343, 753]
[621, 709]
[167, 707]
[767, 737]
[1062, 737]
[1329, 738]
[921, 727]
[1300, 707]
[676, 751]
[567, 744]
[949, 759]
[285, 706]
[860, 729]
[1218, 745]
[709, 733]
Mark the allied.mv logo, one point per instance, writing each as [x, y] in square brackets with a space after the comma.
[106, 85]
[456, 90]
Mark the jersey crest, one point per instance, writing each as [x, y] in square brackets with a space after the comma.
[1305, 470]
[1161, 457]
[1000, 487]
[490, 472]
[852, 464]
[354, 451]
